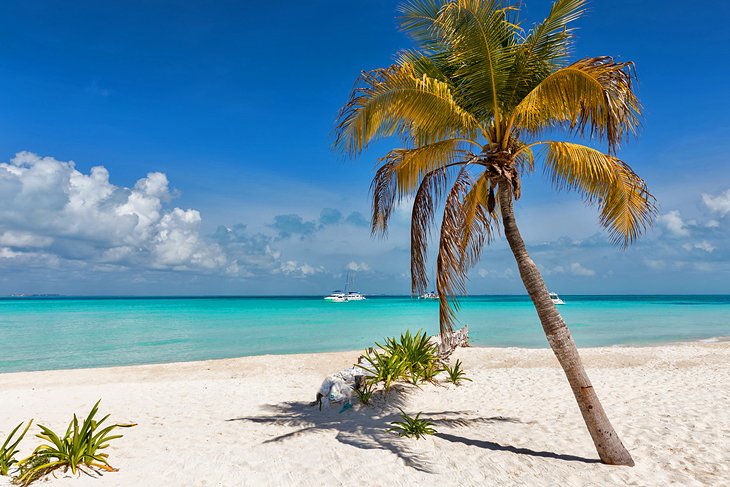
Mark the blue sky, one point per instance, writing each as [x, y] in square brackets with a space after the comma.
[211, 123]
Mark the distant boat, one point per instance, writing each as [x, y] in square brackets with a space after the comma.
[343, 297]
[555, 298]
[429, 295]
[336, 297]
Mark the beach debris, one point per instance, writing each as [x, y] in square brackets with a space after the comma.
[339, 387]
[453, 339]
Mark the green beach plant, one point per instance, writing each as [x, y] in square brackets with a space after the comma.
[384, 367]
[412, 427]
[365, 392]
[81, 446]
[9, 449]
[420, 355]
[456, 374]
[476, 104]
[409, 358]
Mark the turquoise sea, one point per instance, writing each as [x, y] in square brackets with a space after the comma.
[60, 333]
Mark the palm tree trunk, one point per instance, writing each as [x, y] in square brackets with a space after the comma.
[609, 446]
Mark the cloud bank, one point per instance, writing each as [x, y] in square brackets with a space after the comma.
[56, 220]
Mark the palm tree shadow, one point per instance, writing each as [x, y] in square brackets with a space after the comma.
[490, 445]
[363, 427]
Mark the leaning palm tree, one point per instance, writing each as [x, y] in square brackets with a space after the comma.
[476, 103]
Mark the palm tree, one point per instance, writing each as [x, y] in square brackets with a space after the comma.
[475, 103]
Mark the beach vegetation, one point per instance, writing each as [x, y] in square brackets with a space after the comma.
[478, 104]
[419, 354]
[384, 368]
[365, 392]
[412, 426]
[455, 374]
[411, 357]
[9, 448]
[80, 447]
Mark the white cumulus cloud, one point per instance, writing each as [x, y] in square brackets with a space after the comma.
[673, 222]
[50, 205]
[718, 204]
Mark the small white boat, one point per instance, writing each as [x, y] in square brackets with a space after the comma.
[336, 297]
[555, 298]
[429, 295]
[354, 296]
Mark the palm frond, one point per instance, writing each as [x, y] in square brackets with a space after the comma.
[395, 101]
[593, 95]
[427, 198]
[627, 207]
[478, 221]
[420, 19]
[480, 40]
[450, 278]
[401, 172]
[545, 47]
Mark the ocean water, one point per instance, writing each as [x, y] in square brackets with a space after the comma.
[60, 333]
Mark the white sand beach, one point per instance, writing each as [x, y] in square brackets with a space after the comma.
[247, 421]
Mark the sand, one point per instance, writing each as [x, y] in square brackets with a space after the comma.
[247, 421]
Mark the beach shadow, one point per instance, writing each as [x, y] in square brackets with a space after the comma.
[363, 426]
[490, 445]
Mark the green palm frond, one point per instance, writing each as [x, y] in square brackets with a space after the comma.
[550, 41]
[421, 20]
[480, 39]
[627, 207]
[546, 47]
[395, 101]
[593, 95]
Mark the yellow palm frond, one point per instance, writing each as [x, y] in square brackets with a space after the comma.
[395, 101]
[593, 95]
[402, 171]
[627, 207]
[478, 221]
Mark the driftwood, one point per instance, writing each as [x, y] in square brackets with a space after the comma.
[457, 338]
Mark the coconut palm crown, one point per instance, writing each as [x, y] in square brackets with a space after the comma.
[476, 104]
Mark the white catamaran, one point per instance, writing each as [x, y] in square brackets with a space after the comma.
[343, 297]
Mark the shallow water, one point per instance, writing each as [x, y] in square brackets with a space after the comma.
[59, 333]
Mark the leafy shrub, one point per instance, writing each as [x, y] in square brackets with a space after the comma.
[420, 355]
[410, 358]
[384, 367]
[456, 374]
[80, 446]
[8, 450]
[412, 427]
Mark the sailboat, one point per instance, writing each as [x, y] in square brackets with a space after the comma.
[343, 297]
